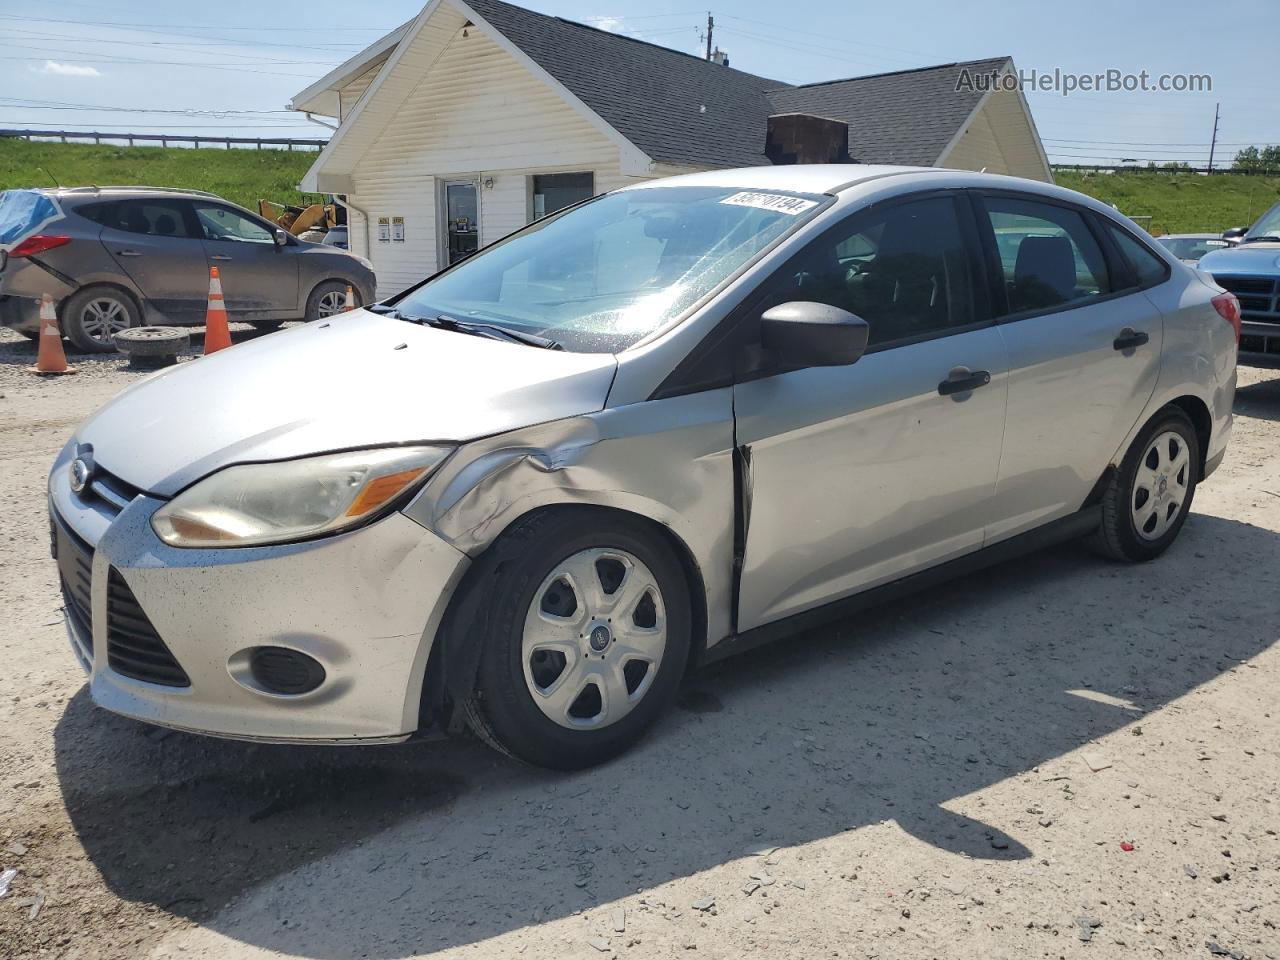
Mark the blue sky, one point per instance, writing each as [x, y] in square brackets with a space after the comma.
[133, 60]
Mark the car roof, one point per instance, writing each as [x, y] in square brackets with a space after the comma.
[794, 178]
[68, 193]
[1190, 236]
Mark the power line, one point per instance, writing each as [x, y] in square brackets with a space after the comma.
[122, 59]
[152, 27]
[174, 63]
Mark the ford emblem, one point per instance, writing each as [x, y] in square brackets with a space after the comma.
[81, 471]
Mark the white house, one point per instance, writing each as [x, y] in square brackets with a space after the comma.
[478, 116]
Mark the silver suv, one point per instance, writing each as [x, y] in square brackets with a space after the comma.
[116, 257]
[654, 429]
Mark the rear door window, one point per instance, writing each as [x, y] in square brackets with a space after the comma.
[1048, 256]
[152, 218]
[1148, 269]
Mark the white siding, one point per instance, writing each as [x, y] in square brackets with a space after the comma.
[479, 113]
[350, 92]
[1000, 140]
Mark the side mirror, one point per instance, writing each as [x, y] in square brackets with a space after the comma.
[281, 237]
[1235, 233]
[805, 334]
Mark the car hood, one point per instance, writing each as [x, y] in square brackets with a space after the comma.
[357, 380]
[1262, 257]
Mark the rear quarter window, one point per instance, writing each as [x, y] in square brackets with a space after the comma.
[1148, 269]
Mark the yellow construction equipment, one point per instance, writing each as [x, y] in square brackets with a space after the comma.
[297, 220]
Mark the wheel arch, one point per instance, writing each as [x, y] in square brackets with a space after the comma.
[1198, 412]
[451, 668]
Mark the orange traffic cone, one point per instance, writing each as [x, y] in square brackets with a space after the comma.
[217, 335]
[49, 357]
[351, 300]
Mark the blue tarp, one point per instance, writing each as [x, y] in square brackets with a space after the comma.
[24, 213]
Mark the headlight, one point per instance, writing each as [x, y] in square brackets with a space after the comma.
[259, 503]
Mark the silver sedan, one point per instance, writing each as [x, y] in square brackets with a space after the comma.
[657, 428]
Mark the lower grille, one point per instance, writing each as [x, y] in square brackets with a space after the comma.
[134, 649]
[75, 570]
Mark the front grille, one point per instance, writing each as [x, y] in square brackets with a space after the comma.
[109, 490]
[75, 571]
[134, 649]
[1259, 296]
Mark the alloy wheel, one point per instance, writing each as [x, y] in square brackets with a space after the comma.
[102, 318]
[1160, 486]
[332, 303]
[594, 638]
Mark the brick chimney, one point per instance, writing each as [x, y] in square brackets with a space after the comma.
[802, 138]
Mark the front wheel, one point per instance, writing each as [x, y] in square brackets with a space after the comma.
[1150, 495]
[586, 635]
[328, 299]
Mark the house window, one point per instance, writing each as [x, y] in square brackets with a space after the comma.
[555, 191]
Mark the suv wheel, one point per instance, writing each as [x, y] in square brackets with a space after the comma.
[328, 299]
[92, 317]
[1150, 496]
[585, 636]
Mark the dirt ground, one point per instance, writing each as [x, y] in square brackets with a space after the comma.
[1060, 757]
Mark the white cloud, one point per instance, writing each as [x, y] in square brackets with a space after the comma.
[67, 69]
[612, 24]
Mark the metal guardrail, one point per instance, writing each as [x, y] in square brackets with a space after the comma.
[1140, 168]
[165, 139]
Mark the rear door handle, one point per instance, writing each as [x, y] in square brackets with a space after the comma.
[962, 381]
[1129, 338]
[218, 256]
[130, 253]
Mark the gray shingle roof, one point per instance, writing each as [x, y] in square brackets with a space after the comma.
[653, 96]
[906, 117]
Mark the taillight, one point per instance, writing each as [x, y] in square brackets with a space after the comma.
[1228, 308]
[38, 244]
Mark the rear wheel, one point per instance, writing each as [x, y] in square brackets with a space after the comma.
[329, 298]
[1149, 497]
[586, 636]
[92, 317]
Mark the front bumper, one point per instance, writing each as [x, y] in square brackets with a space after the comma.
[366, 604]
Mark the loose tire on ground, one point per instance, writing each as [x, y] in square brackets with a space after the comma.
[91, 317]
[1149, 496]
[504, 710]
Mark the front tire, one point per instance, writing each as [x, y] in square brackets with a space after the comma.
[585, 633]
[1149, 497]
[329, 299]
[93, 316]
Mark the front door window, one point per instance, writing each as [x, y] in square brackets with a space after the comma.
[462, 226]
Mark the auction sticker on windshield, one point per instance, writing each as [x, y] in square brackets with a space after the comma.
[771, 201]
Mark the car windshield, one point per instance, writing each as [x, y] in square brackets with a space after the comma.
[1267, 227]
[600, 277]
[1191, 248]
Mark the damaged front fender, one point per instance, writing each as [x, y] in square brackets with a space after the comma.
[670, 461]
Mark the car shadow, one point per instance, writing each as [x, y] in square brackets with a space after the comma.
[895, 715]
[1260, 400]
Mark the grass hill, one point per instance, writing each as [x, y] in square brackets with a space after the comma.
[1176, 202]
[241, 176]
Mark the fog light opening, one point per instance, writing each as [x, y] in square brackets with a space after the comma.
[284, 671]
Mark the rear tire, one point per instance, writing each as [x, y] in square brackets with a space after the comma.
[329, 299]
[1149, 496]
[92, 317]
[524, 703]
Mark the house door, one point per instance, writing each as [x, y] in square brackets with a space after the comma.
[461, 220]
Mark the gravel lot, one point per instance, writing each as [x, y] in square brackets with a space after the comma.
[1061, 757]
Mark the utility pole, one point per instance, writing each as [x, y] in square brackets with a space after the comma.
[1214, 142]
[711, 23]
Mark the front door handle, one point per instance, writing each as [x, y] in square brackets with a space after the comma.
[962, 380]
[1129, 338]
[219, 256]
[129, 253]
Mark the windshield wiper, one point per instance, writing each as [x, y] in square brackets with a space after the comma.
[490, 330]
[1274, 238]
